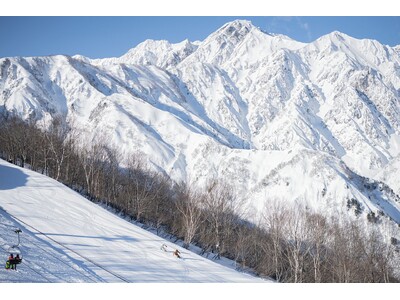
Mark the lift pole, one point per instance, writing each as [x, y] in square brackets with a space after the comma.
[17, 231]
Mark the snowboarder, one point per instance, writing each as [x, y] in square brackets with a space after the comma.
[176, 253]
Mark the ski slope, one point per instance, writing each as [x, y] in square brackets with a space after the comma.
[66, 238]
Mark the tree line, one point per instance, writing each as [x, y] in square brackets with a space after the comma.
[287, 244]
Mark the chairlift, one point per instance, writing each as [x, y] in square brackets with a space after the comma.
[17, 231]
[15, 251]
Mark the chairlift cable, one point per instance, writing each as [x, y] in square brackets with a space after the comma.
[81, 272]
[27, 262]
[64, 246]
[37, 272]
[64, 262]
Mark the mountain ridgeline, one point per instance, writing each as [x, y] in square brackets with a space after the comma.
[312, 124]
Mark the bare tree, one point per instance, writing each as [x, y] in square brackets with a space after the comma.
[112, 177]
[275, 216]
[92, 159]
[318, 231]
[146, 187]
[219, 206]
[188, 204]
[58, 144]
[243, 245]
[378, 256]
[16, 139]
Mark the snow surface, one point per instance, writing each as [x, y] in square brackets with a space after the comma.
[66, 238]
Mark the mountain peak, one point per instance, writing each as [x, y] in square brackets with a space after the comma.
[239, 23]
[334, 37]
[236, 27]
[160, 53]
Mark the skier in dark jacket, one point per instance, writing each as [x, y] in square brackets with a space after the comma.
[17, 260]
[176, 253]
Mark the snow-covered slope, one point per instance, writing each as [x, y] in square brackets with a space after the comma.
[239, 105]
[66, 238]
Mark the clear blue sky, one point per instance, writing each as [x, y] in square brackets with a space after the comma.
[98, 37]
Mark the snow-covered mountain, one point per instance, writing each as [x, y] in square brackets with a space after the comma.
[67, 238]
[315, 123]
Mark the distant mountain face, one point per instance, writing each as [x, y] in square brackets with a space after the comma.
[316, 123]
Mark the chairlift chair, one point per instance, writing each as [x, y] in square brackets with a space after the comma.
[15, 250]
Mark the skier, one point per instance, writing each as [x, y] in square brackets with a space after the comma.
[164, 247]
[176, 253]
